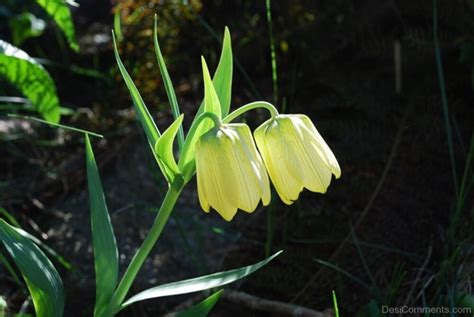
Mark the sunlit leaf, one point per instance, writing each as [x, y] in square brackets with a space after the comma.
[43, 281]
[203, 308]
[31, 79]
[105, 246]
[61, 14]
[223, 77]
[199, 283]
[12, 221]
[164, 145]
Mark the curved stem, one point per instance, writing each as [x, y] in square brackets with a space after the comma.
[161, 219]
[250, 106]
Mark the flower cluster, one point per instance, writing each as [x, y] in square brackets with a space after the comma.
[232, 174]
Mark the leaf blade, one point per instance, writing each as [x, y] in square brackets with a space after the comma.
[199, 283]
[222, 79]
[167, 82]
[41, 277]
[61, 14]
[31, 79]
[144, 116]
[164, 145]
[105, 246]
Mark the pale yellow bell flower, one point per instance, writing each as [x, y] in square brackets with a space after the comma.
[230, 172]
[295, 155]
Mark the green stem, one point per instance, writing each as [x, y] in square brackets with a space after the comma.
[161, 219]
[250, 106]
[273, 54]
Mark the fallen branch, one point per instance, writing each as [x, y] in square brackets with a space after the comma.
[270, 306]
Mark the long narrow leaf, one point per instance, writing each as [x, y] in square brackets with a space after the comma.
[31, 79]
[167, 82]
[61, 14]
[203, 308]
[105, 246]
[148, 125]
[199, 283]
[42, 279]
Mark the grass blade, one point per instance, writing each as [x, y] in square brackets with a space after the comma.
[42, 279]
[105, 246]
[199, 283]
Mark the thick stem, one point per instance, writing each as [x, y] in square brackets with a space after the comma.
[250, 106]
[161, 219]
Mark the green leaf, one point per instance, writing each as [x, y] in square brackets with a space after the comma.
[61, 14]
[164, 146]
[105, 246]
[223, 77]
[12, 221]
[199, 283]
[203, 308]
[167, 82]
[148, 125]
[42, 279]
[211, 104]
[151, 131]
[24, 26]
[31, 79]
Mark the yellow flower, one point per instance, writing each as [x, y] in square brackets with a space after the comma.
[296, 156]
[230, 172]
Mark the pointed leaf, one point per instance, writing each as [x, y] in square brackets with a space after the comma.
[164, 145]
[223, 77]
[105, 246]
[42, 279]
[203, 308]
[167, 82]
[148, 125]
[211, 104]
[151, 131]
[31, 79]
[199, 283]
[61, 14]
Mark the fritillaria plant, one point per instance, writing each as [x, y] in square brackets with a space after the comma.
[234, 169]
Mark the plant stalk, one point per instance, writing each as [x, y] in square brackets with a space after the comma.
[161, 219]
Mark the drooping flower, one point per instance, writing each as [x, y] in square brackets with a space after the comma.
[295, 155]
[230, 172]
